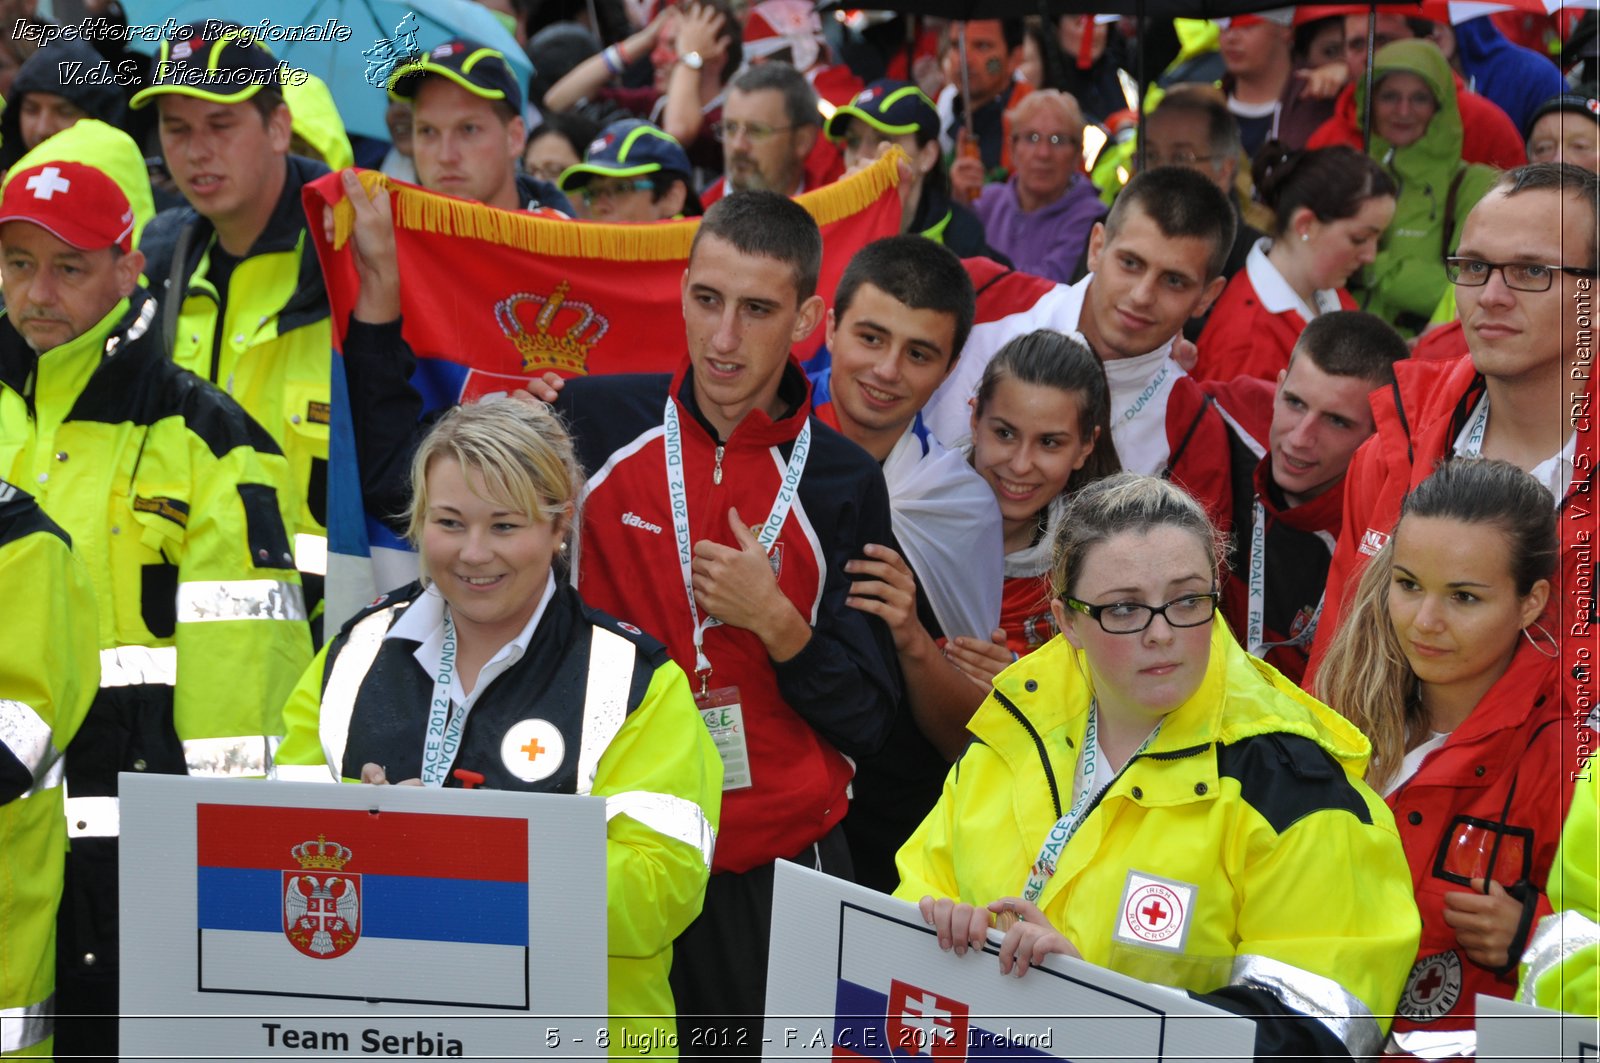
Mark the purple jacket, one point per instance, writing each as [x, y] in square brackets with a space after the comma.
[1047, 242]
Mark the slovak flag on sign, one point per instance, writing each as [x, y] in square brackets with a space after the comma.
[924, 1025]
[361, 905]
[889, 1010]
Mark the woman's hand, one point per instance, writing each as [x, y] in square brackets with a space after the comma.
[980, 660]
[1030, 939]
[958, 926]
[1485, 923]
[886, 588]
[376, 776]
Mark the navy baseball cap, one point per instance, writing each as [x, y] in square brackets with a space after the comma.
[481, 70]
[1577, 104]
[893, 108]
[229, 66]
[629, 148]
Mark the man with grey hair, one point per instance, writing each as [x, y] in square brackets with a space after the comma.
[770, 125]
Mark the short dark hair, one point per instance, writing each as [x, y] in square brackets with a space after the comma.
[1352, 343]
[266, 101]
[734, 59]
[1560, 177]
[1332, 183]
[765, 223]
[799, 98]
[1182, 203]
[915, 271]
[1208, 103]
[578, 130]
[1014, 31]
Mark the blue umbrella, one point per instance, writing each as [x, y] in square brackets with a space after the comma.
[357, 39]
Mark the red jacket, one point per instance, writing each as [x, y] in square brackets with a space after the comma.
[1244, 338]
[1418, 420]
[802, 717]
[1509, 765]
[1487, 133]
[1296, 548]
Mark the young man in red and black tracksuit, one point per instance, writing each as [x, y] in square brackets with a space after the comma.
[719, 515]
[1156, 261]
[1286, 507]
[1522, 396]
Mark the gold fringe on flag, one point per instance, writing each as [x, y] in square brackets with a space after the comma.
[422, 211]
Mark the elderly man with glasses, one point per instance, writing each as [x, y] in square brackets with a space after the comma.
[1041, 216]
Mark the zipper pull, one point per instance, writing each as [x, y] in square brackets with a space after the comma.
[716, 474]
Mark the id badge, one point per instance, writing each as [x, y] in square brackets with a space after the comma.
[724, 718]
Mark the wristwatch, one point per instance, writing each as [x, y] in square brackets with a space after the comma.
[692, 60]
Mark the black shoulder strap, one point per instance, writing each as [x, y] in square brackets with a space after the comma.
[1206, 403]
[1450, 212]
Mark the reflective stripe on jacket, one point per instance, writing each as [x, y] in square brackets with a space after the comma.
[47, 679]
[630, 733]
[1247, 808]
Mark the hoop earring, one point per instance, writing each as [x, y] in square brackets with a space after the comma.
[1555, 647]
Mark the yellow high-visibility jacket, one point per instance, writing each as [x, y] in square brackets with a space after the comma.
[366, 699]
[1561, 968]
[48, 674]
[1274, 879]
[178, 503]
[266, 341]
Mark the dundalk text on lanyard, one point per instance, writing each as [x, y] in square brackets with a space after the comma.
[678, 494]
[1088, 787]
[443, 739]
[1256, 619]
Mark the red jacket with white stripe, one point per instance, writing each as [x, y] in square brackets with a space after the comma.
[1418, 420]
[804, 716]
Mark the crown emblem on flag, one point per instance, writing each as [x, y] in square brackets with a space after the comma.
[563, 330]
[321, 854]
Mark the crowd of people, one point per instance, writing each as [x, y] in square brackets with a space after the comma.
[1178, 554]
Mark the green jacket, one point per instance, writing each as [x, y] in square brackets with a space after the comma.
[1437, 190]
[48, 674]
[1248, 805]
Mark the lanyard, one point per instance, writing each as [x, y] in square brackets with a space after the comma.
[443, 740]
[1055, 842]
[1472, 445]
[1255, 623]
[679, 495]
[1147, 392]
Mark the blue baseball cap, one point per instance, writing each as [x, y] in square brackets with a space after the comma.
[893, 108]
[629, 148]
[481, 70]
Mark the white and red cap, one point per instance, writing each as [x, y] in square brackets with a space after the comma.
[76, 204]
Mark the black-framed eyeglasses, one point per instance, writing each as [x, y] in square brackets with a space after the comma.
[756, 131]
[1519, 276]
[1130, 618]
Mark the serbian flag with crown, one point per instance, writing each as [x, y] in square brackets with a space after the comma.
[494, 297]
[347, 904]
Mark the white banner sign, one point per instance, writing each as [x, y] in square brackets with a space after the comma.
[1511, 1031]
[264, 919]
[855, 974]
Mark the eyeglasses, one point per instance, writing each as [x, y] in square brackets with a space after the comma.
[1519, 276]
[1053, 141]
[594, 191]
[755, 132]
[1178, 158]
[1130, 618]
[548, 171]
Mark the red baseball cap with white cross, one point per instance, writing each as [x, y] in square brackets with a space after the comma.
[76, 204]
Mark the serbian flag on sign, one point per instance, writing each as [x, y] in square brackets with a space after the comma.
[362, 906]
[494, 297]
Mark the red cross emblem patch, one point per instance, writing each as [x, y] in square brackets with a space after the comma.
[1155, 912]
